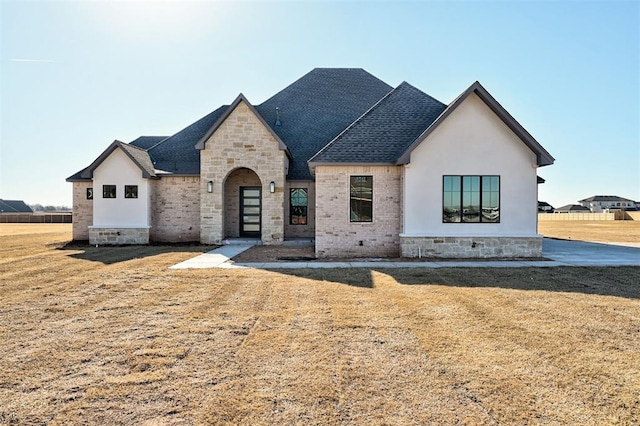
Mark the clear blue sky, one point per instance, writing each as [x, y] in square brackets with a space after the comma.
[77, 75]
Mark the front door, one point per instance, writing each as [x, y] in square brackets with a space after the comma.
[250, 209]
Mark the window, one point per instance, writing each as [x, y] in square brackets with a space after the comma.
[361, 199]
[108, 191]
[89, 193]
[131, 191]
[471, 199]
[298, 203]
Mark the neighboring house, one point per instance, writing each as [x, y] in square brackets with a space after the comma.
[604, 203]
[14, 206]
[339, 156]
[572, 208]
[544, 207]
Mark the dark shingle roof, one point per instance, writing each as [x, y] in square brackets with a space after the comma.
[177, 153]
[384, 132]
[605, 198]
[146, 142]
[573, 208]
[14, 206]
[316, 108]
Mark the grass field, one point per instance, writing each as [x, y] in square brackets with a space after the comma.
[618, 231]
[111, 336]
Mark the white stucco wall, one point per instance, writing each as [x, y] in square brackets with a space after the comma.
[471, 141]
[118, 169]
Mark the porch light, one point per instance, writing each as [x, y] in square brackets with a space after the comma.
[272, 187]
[210, 186]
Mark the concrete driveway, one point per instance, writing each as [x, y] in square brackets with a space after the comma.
[581, 253]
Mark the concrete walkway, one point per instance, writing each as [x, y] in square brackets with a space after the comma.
[218, 258]
[560, 253]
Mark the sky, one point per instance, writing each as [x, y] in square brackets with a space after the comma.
[76, 75]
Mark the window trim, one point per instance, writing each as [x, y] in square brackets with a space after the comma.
[480, 221]
[351, 220]
[89, 193]
[104, 191]
[129, 195]
[291, 206]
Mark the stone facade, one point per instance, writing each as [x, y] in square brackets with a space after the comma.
[242, 141]
[301, 231]
[336, 235]
[116, 236]
[175, 209]
[470, 247]
[82, 211]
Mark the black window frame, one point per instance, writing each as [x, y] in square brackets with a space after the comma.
[131, 191]
[89, 193]
[484, 217]
[298, 211]
[112, 191]
[358, 199]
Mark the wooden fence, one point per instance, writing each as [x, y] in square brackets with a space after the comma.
[35, 218]
[575, 216]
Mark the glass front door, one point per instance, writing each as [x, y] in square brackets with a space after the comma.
[250, 209]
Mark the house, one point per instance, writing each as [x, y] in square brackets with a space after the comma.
[604, 203]
[14, 206]
[572, 208]
[544, 207]
[339, 156]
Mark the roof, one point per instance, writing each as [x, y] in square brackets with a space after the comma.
[177, 154]
[573, 208]
[139, 156]
[542, 156]
[605, 198]
[385, 131]
[146, 142]
[329, 115]
[316, 108]
[14, 206]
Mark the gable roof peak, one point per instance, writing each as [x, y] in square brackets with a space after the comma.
[543, 158]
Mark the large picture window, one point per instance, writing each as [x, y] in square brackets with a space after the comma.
[471, 199]
[108, 191]
[361, 199]
[298, 206]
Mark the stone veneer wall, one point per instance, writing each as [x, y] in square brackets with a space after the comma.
[175, 209]
[336, 235]
[238, 178]
[82, 210]
[300, 231]
[470, 247]
[242, 141]
[116, 236]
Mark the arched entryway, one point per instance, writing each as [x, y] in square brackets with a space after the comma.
[242, 204]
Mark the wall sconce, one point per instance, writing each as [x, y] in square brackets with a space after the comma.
[210, 186]
[272, 187]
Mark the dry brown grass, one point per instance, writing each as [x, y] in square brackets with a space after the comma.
[618, 231]
[111, 336]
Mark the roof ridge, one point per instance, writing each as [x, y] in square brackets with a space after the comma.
[356, 121]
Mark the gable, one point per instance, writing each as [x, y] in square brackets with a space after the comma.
[139, 157]
[543, 158]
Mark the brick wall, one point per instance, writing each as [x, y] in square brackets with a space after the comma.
[82, 210]
[175, 209]
[300, 231]
[242, 141]
[336, 235]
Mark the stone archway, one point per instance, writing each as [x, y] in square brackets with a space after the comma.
[242, 204]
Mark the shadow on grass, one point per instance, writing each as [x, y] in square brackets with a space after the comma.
[114, 254]
[619, 281]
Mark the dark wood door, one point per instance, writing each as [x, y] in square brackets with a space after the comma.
[250, 211]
